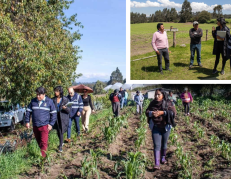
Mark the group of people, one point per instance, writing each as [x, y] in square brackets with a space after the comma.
[160, 114]
[119, 99]
[58, 113]
[222, 45]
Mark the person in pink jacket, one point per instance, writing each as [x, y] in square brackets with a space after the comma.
[186, 99]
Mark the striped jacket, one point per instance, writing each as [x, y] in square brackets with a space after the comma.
[41, 115]
[77, 104]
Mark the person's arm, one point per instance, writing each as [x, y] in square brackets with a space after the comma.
[214, 33]
[227, 33]
[80, 105]
[191, 34]
[154, 42]
[53, 114]
[166, 39]
[90, 103]
[200, 34]
[28, 113]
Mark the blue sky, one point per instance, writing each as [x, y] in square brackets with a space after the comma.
[104, 38]
[150, 6]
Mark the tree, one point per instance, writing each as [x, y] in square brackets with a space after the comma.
[36, 47]
[186, 11]
[98, 88]
[217, 11]
[204, 16]
[173, 14]
[158, 16]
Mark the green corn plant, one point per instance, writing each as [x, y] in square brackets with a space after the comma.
[201, 132]
[134, 166]
[89, 165]
[141, 136]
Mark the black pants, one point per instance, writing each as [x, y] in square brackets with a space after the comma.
[59, 131]
[186, 107]
[164, 53]
[220, 50]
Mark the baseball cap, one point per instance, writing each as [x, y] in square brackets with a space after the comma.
[195, 22]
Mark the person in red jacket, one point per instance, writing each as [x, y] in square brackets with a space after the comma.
[186, 99]
[115, 100]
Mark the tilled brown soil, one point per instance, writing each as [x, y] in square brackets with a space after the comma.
[206, 163]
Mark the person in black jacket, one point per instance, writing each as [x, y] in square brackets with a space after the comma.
[62, 114]
[160, 113]
[115, 99]
[220, 44]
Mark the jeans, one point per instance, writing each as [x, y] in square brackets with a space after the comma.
[196, 47]
[122, 103]
[76, 118]
[116, 108]
[186, 107]
[164, 53]
[139, 108]
[160, 138]
[125, 102]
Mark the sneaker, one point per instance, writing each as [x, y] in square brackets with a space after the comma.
[161, 72]
[222, 72]
[200, 65]
[188, 114]
[214, 71]
[86, 130]
[169, 70]
[190, 66]
[60, 150]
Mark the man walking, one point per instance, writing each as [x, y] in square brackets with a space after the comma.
[44, 116]
[139, 102]
[122, 93]
[160, 45]
[76, 109]
[115, 99]
[195, 35]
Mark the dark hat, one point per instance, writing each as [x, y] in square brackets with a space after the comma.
[138, 92]
[116, 91]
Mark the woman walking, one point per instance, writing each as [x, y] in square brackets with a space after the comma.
[220, 44]
[186, 99]
[62, 114]
[87, 108]
[160, 113]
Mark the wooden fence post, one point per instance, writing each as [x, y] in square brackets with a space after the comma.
[174, 39]
[206, 37]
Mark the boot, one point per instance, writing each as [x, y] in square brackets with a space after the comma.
[157, 160]
[163, 155]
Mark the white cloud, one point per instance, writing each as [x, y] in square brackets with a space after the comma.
[196, 6]
[95, 75]
[227, 7]
[200, 6]
[142, 4]
[169, 4]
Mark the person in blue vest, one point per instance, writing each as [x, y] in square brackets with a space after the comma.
[76, 109]
[139, 98]
[44, 116]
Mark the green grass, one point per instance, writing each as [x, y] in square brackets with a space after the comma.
[147, 69]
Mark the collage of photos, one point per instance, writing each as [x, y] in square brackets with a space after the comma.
[115, 89]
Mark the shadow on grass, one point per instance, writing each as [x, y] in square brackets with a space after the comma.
[150, 69]
[181, 64]
[206, 71]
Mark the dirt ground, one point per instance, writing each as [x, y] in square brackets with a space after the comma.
[206, 163]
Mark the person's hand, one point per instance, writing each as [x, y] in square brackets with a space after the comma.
[64, 107]
[28, 125]
[169, 51]
[213, 28]
[78, 113]
[49, 127]
[157, 113]
[158, 53]
[93, 111]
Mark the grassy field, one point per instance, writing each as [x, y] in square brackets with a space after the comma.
[147, 69]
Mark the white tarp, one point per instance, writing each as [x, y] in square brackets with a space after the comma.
[107, 87]
[116, 86]
[127, 86]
